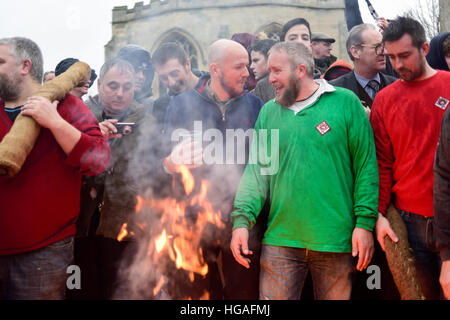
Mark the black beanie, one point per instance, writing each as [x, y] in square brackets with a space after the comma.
[67, 63]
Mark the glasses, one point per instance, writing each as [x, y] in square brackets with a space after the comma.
[379, 48]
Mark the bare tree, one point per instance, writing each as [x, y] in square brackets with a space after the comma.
[428, 13]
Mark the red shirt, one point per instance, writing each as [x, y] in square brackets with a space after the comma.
[40, 205]
[406, 119]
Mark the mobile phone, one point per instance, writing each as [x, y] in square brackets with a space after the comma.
[122, 127]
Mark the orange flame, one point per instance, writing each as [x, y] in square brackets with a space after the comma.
[187, 179]
[123, 232]
[161, 242]
[139, 204]
[181, 236]
[158, 286]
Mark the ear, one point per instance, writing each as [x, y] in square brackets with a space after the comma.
[188, 65]
[214, 69]
[26, 67]
[425, 48]
[354, 51]
[300, 71]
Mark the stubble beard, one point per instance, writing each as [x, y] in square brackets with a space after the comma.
[412, 75]
[232, 92]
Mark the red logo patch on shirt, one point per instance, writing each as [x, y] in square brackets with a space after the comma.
[323, 128]
[442, 103]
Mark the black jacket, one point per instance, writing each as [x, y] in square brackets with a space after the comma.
[349, 81]
[441, 190]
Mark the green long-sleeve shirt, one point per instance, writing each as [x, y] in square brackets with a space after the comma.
[325, 182]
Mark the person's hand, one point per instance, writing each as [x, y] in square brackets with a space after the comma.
[444, 279]
[239, 245]
[108, 129]
[362, 246]
[382, 23]
[42, 111]
[187, 153]
[383, 228]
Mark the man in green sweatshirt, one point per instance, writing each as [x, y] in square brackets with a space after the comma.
[323, 190]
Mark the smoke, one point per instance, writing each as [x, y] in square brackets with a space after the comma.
[148, 274]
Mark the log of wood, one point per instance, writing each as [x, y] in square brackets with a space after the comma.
[18, 143]
[401, 260]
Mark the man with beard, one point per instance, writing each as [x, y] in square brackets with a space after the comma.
[40, 204]
[324, 142]
[406, 117]
[175, 72]
[365, 48]
[295, 30]
[220, 105]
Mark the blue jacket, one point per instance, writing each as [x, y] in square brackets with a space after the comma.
[241, 113]
[195, 105]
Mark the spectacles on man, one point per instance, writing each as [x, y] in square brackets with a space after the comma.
[379, 48]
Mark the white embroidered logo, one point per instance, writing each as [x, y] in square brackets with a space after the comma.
[442, 103]
[323, 128]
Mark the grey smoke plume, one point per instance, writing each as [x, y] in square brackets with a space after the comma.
[148, 274]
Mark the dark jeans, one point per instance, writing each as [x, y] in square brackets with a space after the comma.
[101, 260]
[422, 239]
[36, 275]
[284, 270]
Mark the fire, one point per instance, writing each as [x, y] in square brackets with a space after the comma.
[123, 232]
[158, 286]
[161, 242]
[187, 179]
[139, 204]
[192, 262]
[182, 224]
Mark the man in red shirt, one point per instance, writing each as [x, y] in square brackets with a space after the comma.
[406, 119]
[40, 205]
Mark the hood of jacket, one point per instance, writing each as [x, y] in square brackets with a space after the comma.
[436, 56]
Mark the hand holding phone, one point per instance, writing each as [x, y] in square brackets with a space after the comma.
[125, 128]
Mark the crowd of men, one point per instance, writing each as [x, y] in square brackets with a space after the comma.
[346, 144]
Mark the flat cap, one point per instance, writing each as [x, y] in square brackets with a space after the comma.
[319, 36]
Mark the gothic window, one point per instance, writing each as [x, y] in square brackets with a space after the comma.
[187, 45]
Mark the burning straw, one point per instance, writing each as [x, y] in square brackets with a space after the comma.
[170, 232]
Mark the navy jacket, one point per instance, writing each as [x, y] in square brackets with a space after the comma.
[242, 113]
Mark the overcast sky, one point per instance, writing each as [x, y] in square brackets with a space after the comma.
[81, 28]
